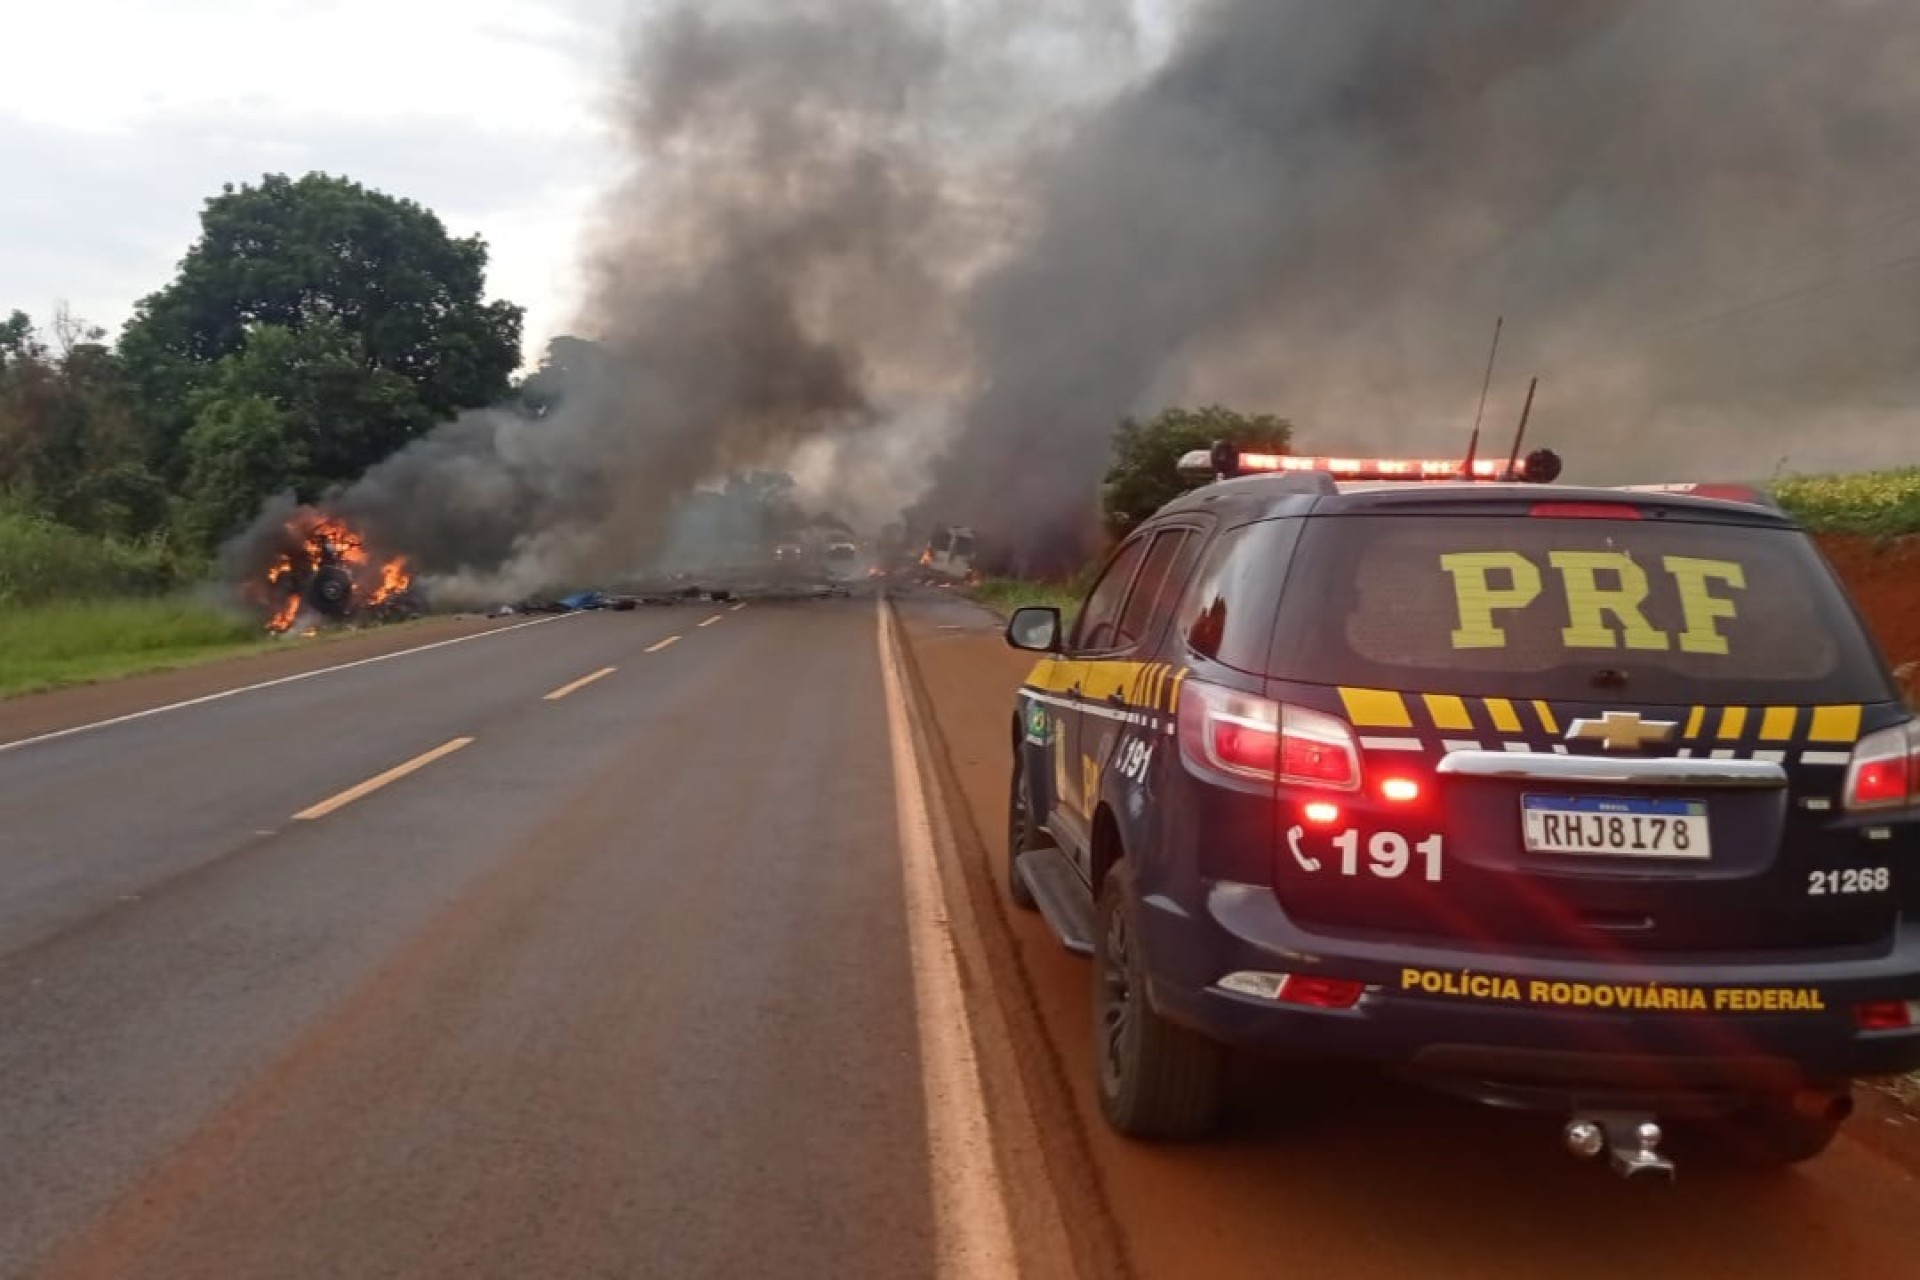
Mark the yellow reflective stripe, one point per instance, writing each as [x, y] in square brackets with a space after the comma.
[1776, 724]
[1448, 712]
[1158, 685]
[1376, 708]
[1835, 724]
[1173, 694]
[1505, 718]
[1545, 713]
[1733, 722]
[1695, 719]
[1048, 676]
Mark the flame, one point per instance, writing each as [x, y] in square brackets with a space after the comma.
[394, 579]
[314, 542]
[284, 617]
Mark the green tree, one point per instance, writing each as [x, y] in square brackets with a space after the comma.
[290, 254]
[240, 451]
[342, 415]
[1144, 475]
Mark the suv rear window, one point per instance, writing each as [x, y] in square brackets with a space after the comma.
[1594, 609]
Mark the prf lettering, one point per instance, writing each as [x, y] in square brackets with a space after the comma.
[1606, 593]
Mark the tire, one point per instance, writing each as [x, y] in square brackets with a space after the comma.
[1156, 1079]
[1023, 833]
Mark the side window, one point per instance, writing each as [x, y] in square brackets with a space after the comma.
[1162, 573]
[1228, 614]
[1098, 625]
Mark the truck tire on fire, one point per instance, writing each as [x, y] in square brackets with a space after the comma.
[332, 591]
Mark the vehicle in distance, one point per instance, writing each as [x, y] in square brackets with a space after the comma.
[1593, 801]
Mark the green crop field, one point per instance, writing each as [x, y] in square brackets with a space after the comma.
[1874, 503]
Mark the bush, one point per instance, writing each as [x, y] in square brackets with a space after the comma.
[41, 560]
[1875, 503]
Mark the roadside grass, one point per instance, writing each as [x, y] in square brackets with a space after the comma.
[1007, 594]
[1873, 503]
[79, 642]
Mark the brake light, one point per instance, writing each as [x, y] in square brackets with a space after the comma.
[1885, 770]
[1400, 790]
[1583, 511]
[1225, 731]
[1322, 813]
[1245, 735]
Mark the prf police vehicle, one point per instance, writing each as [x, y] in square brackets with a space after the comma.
[1599, 802]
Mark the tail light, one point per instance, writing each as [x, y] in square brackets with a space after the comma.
[1223, 731]
[1885, 770]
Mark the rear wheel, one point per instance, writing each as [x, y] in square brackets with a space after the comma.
[1157, 1079]
[1023, 833]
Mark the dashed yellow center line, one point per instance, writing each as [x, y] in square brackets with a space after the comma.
[373, 784]
[658, 646]
[715, 618]
[581, 683]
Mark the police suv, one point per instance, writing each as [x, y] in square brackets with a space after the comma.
[1593, 801]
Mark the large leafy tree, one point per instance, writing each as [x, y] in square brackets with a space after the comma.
[393, 293]
[1145, 476]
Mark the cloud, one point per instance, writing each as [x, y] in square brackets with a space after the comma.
[491, 113]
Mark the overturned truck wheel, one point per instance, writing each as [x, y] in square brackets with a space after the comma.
[332, 591]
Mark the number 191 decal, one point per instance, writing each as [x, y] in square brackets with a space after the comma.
[1389, 855]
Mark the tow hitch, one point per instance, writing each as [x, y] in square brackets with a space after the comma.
[1630, 1138]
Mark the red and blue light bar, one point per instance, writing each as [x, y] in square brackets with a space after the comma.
[1225, 460]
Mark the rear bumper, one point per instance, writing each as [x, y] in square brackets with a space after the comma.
[1532, 1020]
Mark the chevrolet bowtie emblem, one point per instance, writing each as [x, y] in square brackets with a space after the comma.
[1621, 731]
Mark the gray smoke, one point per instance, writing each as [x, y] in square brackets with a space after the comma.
[772, 286]
[1691, 213]
[893, 245]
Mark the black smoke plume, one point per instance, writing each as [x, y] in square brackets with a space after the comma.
[1697, 216]
[946, 247]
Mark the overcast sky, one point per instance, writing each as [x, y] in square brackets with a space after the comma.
[119, 117]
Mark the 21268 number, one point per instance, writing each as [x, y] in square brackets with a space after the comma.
[1849, 880]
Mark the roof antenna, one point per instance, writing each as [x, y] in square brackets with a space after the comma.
[1513, 459]
[1473, 442]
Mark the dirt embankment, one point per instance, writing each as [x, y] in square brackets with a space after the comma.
[1883, 575]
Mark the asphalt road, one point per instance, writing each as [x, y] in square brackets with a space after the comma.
[633, 945]
[615, 983]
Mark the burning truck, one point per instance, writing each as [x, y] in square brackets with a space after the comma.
[322, 571]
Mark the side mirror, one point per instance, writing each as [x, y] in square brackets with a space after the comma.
[1035, 627]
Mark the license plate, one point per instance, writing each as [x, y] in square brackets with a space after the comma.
[1627, 827]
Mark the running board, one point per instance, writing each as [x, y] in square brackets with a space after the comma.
[1062, 897]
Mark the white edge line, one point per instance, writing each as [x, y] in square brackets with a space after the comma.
[973, 1237]
[270, 684]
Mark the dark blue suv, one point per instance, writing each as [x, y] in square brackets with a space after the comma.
[1594, 801]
